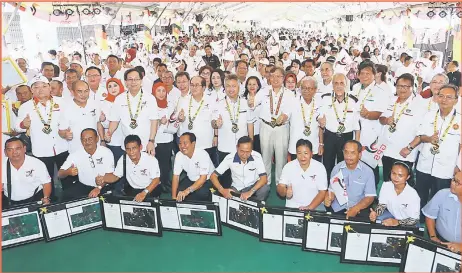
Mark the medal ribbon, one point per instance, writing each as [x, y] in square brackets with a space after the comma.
[49, 114]
[311, 114]
[367, 95]
[279, 103]
[138, 107]
[400, 114]
[344, 112]
[191, 120]
[236, 114]
[7, 113]
[435, 126]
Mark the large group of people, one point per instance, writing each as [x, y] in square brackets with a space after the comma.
[214, 112]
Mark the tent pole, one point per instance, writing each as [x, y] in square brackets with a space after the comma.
[448, 35]
[188, 13]
[81, 34]
[160, 16]
[112, 19]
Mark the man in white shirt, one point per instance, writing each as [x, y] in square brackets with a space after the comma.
[247, 171]
[70, 76]
[98, 92]
[327, 72]
[139, 172]
[197, 165]
[25, 179]
[304, 181]
[88, 163]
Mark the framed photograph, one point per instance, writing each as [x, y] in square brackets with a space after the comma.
[322, 232]
[125, 215]
[192, 217]
[375, 244]
[423, 255]
[11, 73]
[281, 225]
[21, 225]
[238, 214]
[69, 218]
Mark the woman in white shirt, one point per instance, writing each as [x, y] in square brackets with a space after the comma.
[399, 203]
[290, 82]
[164, 136]
[252, 86]
[376, 58]
[114, 88]
[216, 90]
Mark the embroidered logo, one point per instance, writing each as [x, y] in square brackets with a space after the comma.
[144, 172]
[99, 160]
[93, 112]
[29, 173]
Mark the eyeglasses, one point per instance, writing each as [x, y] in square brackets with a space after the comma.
[456, 182]
[403, 86]
[92, 163]
[442, 97]
[133, 80]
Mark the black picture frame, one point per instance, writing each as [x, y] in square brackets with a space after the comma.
[29, 210]
[112, 205]
[332, 226]
[47, 213]
[174, 205]
[282, 214]
[429, 254]
[225, 214]
[384, 246]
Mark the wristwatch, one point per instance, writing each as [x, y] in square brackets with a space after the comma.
[151, 140]
[146, 191]
[321, 144]
[99, 187]
[410, 148]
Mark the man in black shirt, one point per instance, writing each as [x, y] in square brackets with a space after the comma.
[454, 73]
[211, 59]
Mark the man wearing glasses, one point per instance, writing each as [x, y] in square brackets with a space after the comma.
[98, 92]
[86, 164]
[136, 111]
[401, 119]
[442, 215]
[439, 134]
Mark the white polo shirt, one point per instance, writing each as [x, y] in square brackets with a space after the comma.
[402, 206]
[324, 89]
[199, 164]
[227, 140]
[440, 165]
[117, 137]
[26, 180]
[99, 96]
[305, 184]
[78, 118]
[214, 95]
[263, 98]
[297, 125]
[202, 124]
[148, 111]
[431, 105]
[243, 174]
[43, 145]
[90, 166]
[351, 122]
[162, 136]
[406, 128]
[139, 176]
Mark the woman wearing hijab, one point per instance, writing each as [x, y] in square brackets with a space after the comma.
[164, 136]
[114, 88]
[130, 58]
[290, 82]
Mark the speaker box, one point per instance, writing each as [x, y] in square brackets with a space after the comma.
[349, 18]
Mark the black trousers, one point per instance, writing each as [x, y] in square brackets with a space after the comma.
[77, 190]
[117, 152]
[256, 144]
[50, 164]
[427, 186]
[35, 198]
[225, 178]
[315, 157]
[176, 140]
[333, 149]
[364, 213]
[129, 191]
[164, 157]
[213, 155]
[388, 163]
[202, 194]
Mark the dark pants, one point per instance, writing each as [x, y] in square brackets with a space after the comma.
[129, 191]
[202, 194]
[176, 140]
[388, 163]
[333, 149]
[116, 151]
[35, 198]
[427, 186]
[364, 213]
[261, 194]
[213, 155]
[164, 157]
[225, 178]
[315, 157]
[50, 164]
[78, 190]
[256, 144]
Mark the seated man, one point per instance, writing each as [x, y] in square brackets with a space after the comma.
[303, 181]
[25, 179]
[88, 163]
[140, 171]
[357, 182]
[247, 172]
[198, 167]
[442, 215]
[399, 203]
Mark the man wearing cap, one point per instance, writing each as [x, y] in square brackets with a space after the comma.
[41, 117]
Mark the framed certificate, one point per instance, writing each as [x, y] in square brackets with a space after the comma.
[375, 244]
[66, 219]
[21, 225]
[322, 232]
[281, 225]
[125, 215]
[11, 73]
[423, 255]
[192, 217]
[238, 214]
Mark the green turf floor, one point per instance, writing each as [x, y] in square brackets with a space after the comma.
[101, 250]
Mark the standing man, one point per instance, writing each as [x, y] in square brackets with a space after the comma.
[211, 59]
[98, 92]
